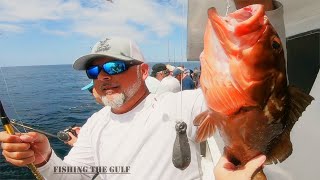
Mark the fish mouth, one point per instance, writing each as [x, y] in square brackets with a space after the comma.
[240, 29]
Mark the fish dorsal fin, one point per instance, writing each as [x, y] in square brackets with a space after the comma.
[298, 102]
[206, 123]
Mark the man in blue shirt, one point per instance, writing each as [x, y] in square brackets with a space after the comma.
[187, 82]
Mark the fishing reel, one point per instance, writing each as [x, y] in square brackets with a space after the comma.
[64, 135]
[61, 135]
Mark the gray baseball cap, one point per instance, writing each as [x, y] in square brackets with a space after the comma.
[117, 48]
[176, 72]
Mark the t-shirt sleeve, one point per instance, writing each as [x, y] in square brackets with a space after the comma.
[81, 155]
[194, 104]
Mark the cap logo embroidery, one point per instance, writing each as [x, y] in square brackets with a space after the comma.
[103, 46]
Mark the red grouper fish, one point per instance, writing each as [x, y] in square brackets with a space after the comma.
[244, 82]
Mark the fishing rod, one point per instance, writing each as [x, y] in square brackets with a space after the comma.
[7, 126]
[61, 135]
[14, 122]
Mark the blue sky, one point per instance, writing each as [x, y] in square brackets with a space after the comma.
[37, 32]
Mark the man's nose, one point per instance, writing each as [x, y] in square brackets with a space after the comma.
[103, 76]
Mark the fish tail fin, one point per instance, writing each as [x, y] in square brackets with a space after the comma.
[298, 102]
[206, 126]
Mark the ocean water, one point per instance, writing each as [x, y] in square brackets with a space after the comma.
[49, 98]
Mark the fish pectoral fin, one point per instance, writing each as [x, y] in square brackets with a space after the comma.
[281, 150]
[200, 118]
[206, 124]
[298, 102]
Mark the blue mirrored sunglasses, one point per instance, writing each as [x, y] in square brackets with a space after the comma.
[111, 68]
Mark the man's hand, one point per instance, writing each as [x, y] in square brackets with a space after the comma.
[73, 138]
[225, 170]
[25, 148]
[268, 4]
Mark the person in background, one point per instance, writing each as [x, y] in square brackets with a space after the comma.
[177, 73]
[152, 84]
[170, 68]
[187, 82]
[135, 128]
[196, 77]
[167, 82]
[90, 88]
[73, 138]
[159, 71]
[190, 73]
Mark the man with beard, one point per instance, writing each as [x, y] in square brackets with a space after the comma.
[135, 131]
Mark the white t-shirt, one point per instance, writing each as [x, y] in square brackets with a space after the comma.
[152, 84]
[142, 139]
[169, 84]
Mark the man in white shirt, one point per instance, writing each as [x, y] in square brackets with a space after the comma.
[152, 84]
[134, 131]
[167, 82]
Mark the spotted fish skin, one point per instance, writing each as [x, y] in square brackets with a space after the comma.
[244, 82]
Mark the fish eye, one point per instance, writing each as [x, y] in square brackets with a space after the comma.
[276, 43]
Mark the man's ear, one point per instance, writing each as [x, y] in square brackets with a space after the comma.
[144, 70]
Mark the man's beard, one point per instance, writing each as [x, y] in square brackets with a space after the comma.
[114, 100]
[118, 99]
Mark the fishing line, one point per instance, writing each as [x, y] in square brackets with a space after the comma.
[16, 129]
[12, 104]
[228, 7]
[182, 15]
[181, 154]
[10, 99]
[15, 110]
[181, 98]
